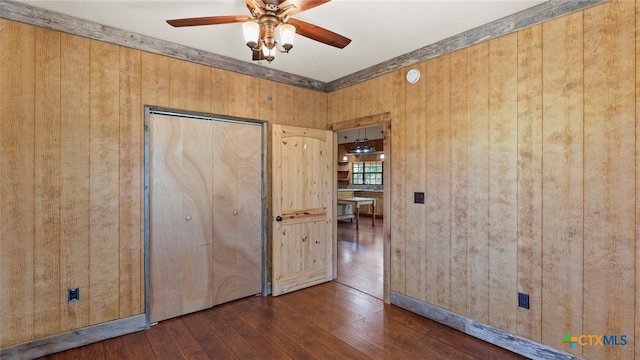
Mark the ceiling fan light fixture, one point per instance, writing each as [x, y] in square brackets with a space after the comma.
[269, 54]
[287, 34]
[251, 30]
[266, 18]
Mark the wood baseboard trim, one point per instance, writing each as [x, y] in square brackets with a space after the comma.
[75, 338]
[490, 334]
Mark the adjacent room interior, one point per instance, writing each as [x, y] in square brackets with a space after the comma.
[360, 208]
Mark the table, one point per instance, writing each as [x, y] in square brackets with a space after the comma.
[356, 202]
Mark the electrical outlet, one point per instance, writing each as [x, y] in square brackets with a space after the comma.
[73, 294]
[523, 300]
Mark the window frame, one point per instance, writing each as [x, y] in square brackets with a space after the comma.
[364, 164]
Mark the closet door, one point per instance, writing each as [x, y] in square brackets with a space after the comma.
[181, 241]
[237, 211]
[205, 213]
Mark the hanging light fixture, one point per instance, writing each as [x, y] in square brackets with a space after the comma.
[270, 28]
[260, 34]
[361, 146]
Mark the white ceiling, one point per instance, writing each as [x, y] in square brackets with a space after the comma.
[371, 133]
[380, 30]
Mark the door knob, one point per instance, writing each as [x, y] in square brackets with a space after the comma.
[278, 218]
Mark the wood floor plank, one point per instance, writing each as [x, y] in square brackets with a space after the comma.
[257, 339]
[206, 337]
[316, 339]
[93, 351]
[258, 313]
[162, 343]
[188, 346]
[327, 321]
[215, 319]
[360, 256]
[135, 346]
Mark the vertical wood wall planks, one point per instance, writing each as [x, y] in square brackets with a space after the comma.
[182, 85]
[74, 192]
[562, 196]
[609, 174]
[131, 192]
[459, 189]
[219, 91]
[16, 192]
[239, 102]
[46, 305]
[72, 184]
[155, 79]
[415, 224]
[478, 183]
[203, 89]
[637, 188]
[104, 138]
[399, 198]
[530, 180]
[438, 182]
[503, 191]
[285, 105]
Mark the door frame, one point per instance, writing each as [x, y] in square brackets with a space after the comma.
[383, 119]
[148, 110]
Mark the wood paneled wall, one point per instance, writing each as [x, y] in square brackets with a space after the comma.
[71, 168]
[525, 147]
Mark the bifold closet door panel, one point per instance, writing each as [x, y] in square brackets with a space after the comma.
[237, 211]
[180, 246]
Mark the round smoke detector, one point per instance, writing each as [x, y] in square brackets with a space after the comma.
[413, 76]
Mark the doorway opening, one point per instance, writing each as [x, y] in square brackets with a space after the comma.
[363, 198]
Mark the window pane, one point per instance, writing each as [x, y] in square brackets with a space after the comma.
[368, 172]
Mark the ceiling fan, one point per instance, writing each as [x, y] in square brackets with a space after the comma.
[267, 15]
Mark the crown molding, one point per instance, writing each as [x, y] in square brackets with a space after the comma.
[549, 10]
[507, 25]
[31, 15]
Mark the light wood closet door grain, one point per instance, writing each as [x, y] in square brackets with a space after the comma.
[237, 194]
[205, 213]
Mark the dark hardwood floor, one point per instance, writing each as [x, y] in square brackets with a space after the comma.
[338, 320]
[328, 321]
[360, 256]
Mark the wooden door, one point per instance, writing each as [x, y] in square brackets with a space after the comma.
[303, 180]
[205, 233]
[237, 211]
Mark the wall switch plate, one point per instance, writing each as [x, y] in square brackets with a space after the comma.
[73, 294]
[523, 300]
[418, 198]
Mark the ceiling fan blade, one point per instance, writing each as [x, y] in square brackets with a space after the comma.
[317, 33]
[300, 5]
[209, 20]
[255, 5]
[251, 3]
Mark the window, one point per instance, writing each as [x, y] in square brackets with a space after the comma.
[367, 173]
